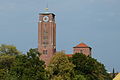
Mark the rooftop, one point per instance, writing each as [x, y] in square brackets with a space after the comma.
[69, 55]
[45, 13]
[82, 45]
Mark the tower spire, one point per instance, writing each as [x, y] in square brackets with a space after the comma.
[46, 9]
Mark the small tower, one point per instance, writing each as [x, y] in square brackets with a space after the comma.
[46, 36]
[82, 48]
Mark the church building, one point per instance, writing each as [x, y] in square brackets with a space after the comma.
[47, 38]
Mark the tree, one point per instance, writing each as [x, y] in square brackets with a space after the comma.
[7, 57]
[90, 67]
[113, 74]
[60, 68]
[9, 49]
[6, 61]
[28, 67]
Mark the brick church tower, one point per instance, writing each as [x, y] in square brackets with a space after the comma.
[46, 36]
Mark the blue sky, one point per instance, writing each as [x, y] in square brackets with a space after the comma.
[94, 22]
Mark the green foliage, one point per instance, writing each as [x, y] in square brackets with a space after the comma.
[7, 58]
[8, 49]
[6, 61]
[3, 73]
[79, 77]
[91, 68]
[17, 66]
[28, 67]
[60, 68]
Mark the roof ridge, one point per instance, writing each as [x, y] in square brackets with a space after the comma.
[82, 45]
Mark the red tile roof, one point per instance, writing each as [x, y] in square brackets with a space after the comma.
[69, 55]
[82, 45]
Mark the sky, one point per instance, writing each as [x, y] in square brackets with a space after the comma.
[94, 22]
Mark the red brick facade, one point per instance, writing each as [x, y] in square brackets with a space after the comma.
[82, 48]
[46, 36]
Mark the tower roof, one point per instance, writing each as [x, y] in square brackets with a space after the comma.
[46, 13]
[82, 45]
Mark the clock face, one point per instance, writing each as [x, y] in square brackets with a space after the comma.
[45, 18]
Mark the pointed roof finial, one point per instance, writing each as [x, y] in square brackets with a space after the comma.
[46, 9]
